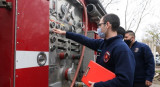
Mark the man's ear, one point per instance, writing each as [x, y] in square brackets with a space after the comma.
[132, 38]
[108, 25]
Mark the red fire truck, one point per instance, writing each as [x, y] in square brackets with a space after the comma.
[32, 55]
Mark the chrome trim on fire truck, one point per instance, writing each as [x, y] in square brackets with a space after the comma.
[14, 72]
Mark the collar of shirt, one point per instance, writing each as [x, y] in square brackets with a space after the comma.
[134, 44]
[110, 40]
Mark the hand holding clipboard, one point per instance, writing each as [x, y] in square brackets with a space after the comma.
[96, 73]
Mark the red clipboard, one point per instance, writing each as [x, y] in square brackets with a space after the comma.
[96, 73]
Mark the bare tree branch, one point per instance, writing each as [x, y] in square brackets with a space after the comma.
[126, 15]
[141, 15]
[108, 4]
[145, 15]
[130, 24]
[154, 32]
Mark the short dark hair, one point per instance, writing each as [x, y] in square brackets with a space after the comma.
[121, 31]
[130, 32]
[112, 19]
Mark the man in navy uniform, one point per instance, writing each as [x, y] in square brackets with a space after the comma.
[114, 54]
[121, 31]
[145, 66]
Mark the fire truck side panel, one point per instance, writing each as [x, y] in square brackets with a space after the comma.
[28, 71]
[7, 45]
[33, 25]
[32, 42]
[32, 77]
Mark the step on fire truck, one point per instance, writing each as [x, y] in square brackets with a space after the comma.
[31, 55]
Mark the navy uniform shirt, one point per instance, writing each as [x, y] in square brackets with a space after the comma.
[114, 55]
[145, 67]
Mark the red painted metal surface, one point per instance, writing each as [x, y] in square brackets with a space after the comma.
[7, 37]
[33, 25]
[92, 26]
[32, 35]
[32, 77]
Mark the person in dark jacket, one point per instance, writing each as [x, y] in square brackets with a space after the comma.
[121, 31]
[145, 66]
[113, 53]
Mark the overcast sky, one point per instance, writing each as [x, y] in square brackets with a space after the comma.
[153, 17]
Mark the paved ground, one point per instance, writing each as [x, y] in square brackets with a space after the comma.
[155, 85]
[158, 68]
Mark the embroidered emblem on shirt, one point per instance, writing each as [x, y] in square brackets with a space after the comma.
[136, 49]
[106, 57]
